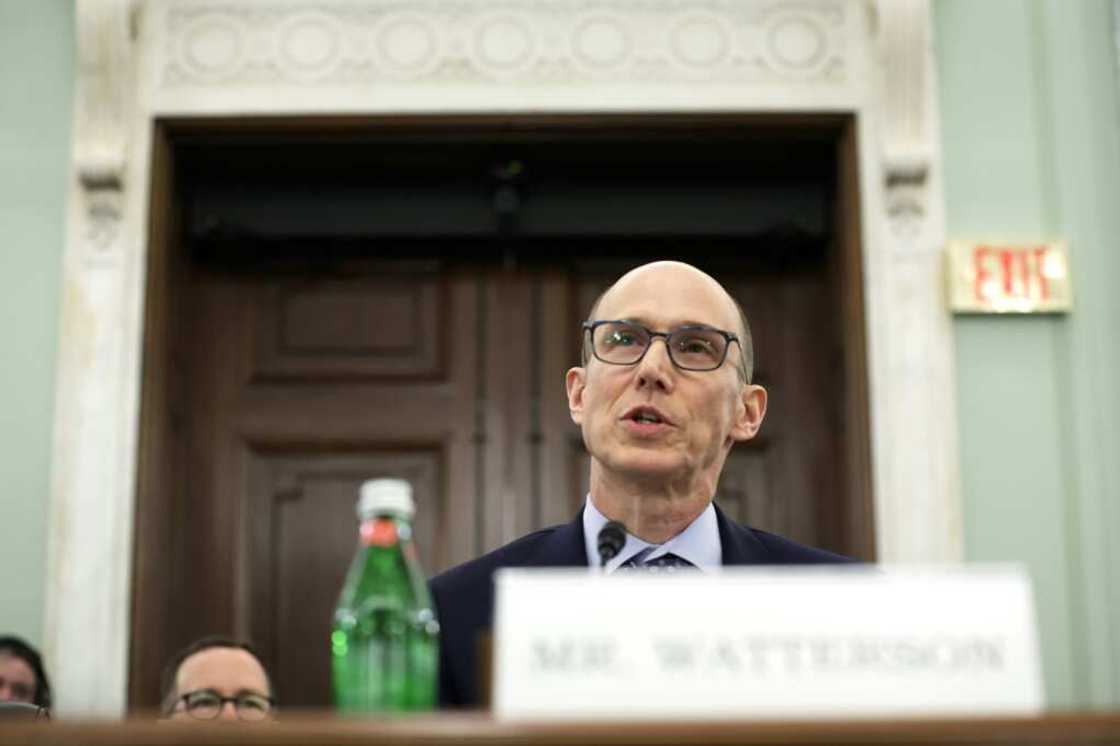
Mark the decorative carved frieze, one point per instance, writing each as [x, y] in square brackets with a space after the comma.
[471, 41]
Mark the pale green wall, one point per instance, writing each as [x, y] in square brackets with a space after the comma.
[1030, 123]
[1031, 136]
[36, 72]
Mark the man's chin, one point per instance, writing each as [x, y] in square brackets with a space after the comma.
[647, 465]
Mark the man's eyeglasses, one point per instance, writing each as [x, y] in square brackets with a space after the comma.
[207, 704]
[694, 347]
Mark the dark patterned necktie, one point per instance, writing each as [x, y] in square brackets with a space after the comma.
[665, 563]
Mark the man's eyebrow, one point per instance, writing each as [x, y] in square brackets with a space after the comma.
[254, 692]
[203, 690]
[687, 322]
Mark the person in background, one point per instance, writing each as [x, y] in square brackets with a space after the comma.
[217, 678]
[22, 676]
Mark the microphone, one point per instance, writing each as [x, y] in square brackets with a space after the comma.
[611, 539]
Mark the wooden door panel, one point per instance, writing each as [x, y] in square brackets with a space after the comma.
[534, 350]
[285, 424]
[796, 335]
[502, 355]
[519, 342]
[364, 328]
[746, 491]
[560, 491]
[579, 465]
[210, 494]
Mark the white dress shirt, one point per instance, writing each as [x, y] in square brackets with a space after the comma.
[699, 543]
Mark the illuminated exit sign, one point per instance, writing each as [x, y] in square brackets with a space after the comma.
[1008, 278]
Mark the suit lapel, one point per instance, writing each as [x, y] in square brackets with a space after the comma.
[562, 547]
[740, 547]
[565, 546]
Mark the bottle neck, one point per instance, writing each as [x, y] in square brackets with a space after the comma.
[384, 530]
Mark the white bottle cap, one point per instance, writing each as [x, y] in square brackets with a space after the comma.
[380, 496]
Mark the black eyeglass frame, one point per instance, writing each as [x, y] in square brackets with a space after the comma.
[184, 698]
[589, 327]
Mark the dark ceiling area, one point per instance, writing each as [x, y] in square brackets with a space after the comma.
[522, 196]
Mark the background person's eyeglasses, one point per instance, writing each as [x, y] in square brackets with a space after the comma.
[23, 711]
[207, 704]
[694, 347]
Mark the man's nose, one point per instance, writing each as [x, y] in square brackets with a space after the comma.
[229, 711]
[5, 692]
[656, 368]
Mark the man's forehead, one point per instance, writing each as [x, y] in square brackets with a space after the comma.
[226, 670]
[668, 294]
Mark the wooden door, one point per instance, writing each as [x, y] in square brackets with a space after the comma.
[302, 387]
[273, 388]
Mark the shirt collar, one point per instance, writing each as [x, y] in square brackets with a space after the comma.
[699, 543]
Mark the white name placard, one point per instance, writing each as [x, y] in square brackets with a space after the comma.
[765, 643]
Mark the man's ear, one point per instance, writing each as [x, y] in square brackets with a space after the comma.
[749, 412]
[575, 382]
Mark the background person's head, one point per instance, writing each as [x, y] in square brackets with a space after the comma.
[216, 678]
[22, 677]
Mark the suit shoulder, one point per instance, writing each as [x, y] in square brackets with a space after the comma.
[789, 552]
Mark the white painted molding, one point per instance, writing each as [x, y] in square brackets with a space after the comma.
[103, 93]
[904, 30]
[477, 55]
[149, 58]
[464, 42]
[918, 508]
[88, 585]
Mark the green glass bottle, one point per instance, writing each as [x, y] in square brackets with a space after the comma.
[385, 638]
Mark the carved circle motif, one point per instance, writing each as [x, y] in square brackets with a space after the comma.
[212, 46]
[601, 42]
[407, 45]
[699, 40]
[566, 41]
[504, 44]
[310, 44]
[796, 44]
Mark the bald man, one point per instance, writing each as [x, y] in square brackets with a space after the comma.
[663, 393]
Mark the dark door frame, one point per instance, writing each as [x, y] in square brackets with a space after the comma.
[153, 591]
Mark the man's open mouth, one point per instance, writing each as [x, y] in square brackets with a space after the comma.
[647, 416]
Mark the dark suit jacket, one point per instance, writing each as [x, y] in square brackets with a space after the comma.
[464, 595]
